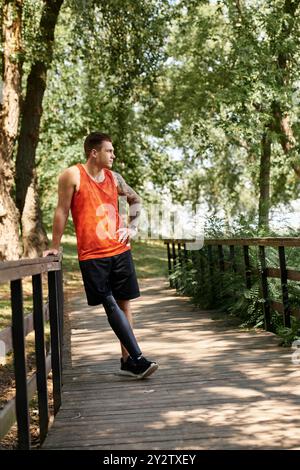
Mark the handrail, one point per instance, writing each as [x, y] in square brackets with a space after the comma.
[14, 271]
[179, 246]
[263, 241]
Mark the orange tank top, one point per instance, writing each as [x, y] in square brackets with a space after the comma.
[96, 217]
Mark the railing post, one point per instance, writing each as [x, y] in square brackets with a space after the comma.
[264, 287]
[41, 373]
[221, 258]
[169, 262]
[175, 284]
[284, 288]
[185, 253]
[232, 258]
[202, 271]
[222, 270]
[60, 293]
[179, 254]
[247, 266]
[18, 339]
[174, 255]
[55, 340]
[211, 271]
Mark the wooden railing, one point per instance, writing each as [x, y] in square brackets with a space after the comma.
[178, 253]
[13, 272]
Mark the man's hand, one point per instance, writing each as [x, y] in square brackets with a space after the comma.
[126, 233]
[51, 251]
[134, 201]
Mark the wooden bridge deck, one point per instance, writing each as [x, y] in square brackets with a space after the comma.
[217, 387]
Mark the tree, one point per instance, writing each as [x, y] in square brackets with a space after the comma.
[27, 197]
[228, 100]
[126, 38]
[104, 69]
[9, 119]
[281, 41]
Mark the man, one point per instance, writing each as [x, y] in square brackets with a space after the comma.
[91, 191]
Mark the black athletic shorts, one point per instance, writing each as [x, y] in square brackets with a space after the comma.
[114, 275]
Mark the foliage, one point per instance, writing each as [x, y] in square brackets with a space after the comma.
[227, 290]
[289, 335]
[218, 93]
[185, 88]
[104, 67]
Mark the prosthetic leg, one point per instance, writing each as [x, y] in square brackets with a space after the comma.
[121, 326]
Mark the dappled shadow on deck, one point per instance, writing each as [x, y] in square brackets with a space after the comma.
[217, 387]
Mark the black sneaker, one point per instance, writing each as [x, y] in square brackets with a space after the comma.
[140, 369]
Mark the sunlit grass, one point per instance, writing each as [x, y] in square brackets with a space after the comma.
[150, 258]
[5, 301]
[150, 261]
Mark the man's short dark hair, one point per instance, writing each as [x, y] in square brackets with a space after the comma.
[94, 141]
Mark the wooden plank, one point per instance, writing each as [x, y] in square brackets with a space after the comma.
[265, 241]
[70, 415]
[13, 273]
[278, 306]
[293, 275]
[172, 433]
[29, 261]
[126, 419]
[198, 429]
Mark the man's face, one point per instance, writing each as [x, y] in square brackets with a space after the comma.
[104, 156]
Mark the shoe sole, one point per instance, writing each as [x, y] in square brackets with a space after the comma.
[145, 374]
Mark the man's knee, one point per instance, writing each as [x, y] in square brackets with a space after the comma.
[109, 303]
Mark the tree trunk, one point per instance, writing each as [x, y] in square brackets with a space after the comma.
[286, 135]
[33, 233]
[264, 181]
[26, 182]
[31, 220]
[281, 120]
[9, 119]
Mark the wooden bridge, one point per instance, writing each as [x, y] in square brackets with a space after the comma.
[217, 387]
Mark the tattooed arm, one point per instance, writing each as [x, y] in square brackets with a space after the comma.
[134, 201]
